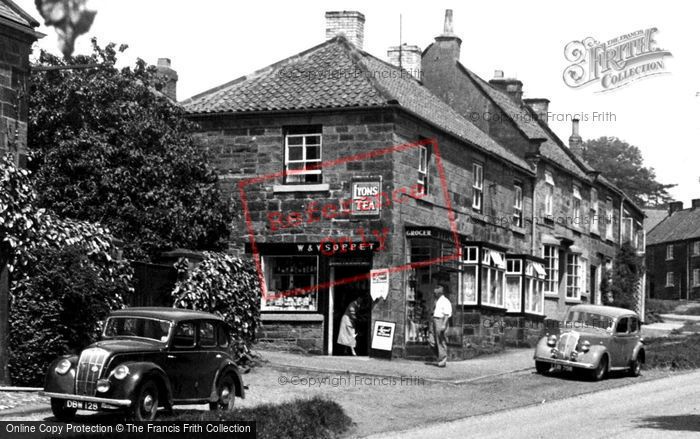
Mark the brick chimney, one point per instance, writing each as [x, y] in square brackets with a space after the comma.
[695, 203]
[407, 57]
[575, 141]
[448, 44]
[674, 206]
[351, 24]
[510, 86]
[540, 106]
[170, 76]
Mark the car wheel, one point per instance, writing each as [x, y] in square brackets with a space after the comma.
[542, 367]
[226, 391]
[635, 367]
[60, 411]
[599, 372]
[145, 404]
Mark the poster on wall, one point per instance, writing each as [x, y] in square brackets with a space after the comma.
[383, 338]
[366, 198]
[380, 283]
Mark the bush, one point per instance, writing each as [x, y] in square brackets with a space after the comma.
[57, 309]
[227, 286]
[673, 353]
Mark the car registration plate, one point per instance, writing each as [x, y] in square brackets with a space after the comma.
[83, 405]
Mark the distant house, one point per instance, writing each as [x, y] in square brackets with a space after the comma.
[653, 217]
[673, 254]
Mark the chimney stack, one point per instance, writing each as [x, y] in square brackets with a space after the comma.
[407, 57]
[674, 206]
[695, 203]
[448, 44]
[170, 77]
[351, 24]
[575, 141]
[510, 86]
[540, 106]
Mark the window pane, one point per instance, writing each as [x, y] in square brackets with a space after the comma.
[469, 284]
[285, 274]
[313, 140]
[206, 334]
[296, 153]
[295, 140]
[513, 293]
[313, 152]
[184, 335]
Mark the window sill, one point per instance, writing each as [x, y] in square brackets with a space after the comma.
[286, 188]
[519, 230]
[570, 301]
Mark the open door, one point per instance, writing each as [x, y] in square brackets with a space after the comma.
[345, 294]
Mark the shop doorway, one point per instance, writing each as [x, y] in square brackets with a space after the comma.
[343, 296]
[594, 286]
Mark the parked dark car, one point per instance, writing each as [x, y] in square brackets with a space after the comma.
[594, 339]
[148, 358]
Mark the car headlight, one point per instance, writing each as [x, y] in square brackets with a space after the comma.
[120, 372]
[585, 346]
[63, 367]
[552, 340]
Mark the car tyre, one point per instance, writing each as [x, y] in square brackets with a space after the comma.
[601, 370]
[542, 367]
[145, 405]
[226, 392]
[635, 367]
[60, 411]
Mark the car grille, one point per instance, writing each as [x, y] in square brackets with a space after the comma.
[567, 344]
[89, 370]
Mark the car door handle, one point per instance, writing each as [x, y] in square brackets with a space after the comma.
[218, 355]
[171, 356]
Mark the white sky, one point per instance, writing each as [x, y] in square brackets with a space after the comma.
[212, 42]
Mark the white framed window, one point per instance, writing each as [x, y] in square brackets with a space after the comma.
[551, 267]
[696, 248]
[669, 252]
[478, 187]
[573, 276]
[302, 156]
[423, 162]
[576, 193]
[470, 275]
[594, 211]
[696, 277]
[548, 193]
[493, 279]
[518, 204]
[534, 295]
[285, 274]
[514, 284]
[669, 279]
[471, 254]
[608, 218]
[627, 228]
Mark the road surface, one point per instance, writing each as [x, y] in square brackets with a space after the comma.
[668, 407]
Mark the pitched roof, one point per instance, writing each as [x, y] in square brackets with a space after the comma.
[335, 74]
[10, 11]
[682, 225]
[654, 217]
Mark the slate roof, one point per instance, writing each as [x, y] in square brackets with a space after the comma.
[682, 225]
[336, 74]
[10, 11]
[654, 217]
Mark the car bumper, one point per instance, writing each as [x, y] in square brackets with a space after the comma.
[568, 363]
[110, 401]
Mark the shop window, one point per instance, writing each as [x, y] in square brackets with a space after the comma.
[551, 257]
[493, 279]
[518, 205]
[573, 276]
[478, 187]
[285, 273]
[423, 161]
[594, 211]
[548, 194]
[470, 276]
[302, 155]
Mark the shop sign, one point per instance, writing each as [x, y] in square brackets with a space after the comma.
[383, 335]
[366, 198]
[379, 287]
[429, 232]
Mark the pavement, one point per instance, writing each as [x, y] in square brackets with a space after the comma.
[456, 372]
[671, 323]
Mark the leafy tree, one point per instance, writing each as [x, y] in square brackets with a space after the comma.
[112, 149]
[625, 280]
[623, 165]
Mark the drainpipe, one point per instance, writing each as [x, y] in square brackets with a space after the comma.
[687, 270]
[622, 209]
[534, 218]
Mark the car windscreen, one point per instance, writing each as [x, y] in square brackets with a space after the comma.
[140, 327]
[585, 319]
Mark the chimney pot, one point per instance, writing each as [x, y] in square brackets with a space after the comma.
[448, 29]
[674, 207]
[350, 24]
[498, 74]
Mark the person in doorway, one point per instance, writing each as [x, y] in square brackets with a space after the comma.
[349, 323]
[441, 314]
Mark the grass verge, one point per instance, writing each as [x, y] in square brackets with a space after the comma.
[675, 353]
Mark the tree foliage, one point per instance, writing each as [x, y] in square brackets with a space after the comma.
[624, 285]
[623, 165]
[111, 149]
[227, 286]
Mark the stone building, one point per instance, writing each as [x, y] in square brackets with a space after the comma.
[673, 254]
[344, 163]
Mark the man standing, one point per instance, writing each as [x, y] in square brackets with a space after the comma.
[442, 312]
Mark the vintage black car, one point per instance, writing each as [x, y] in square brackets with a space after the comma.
[148, 358]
